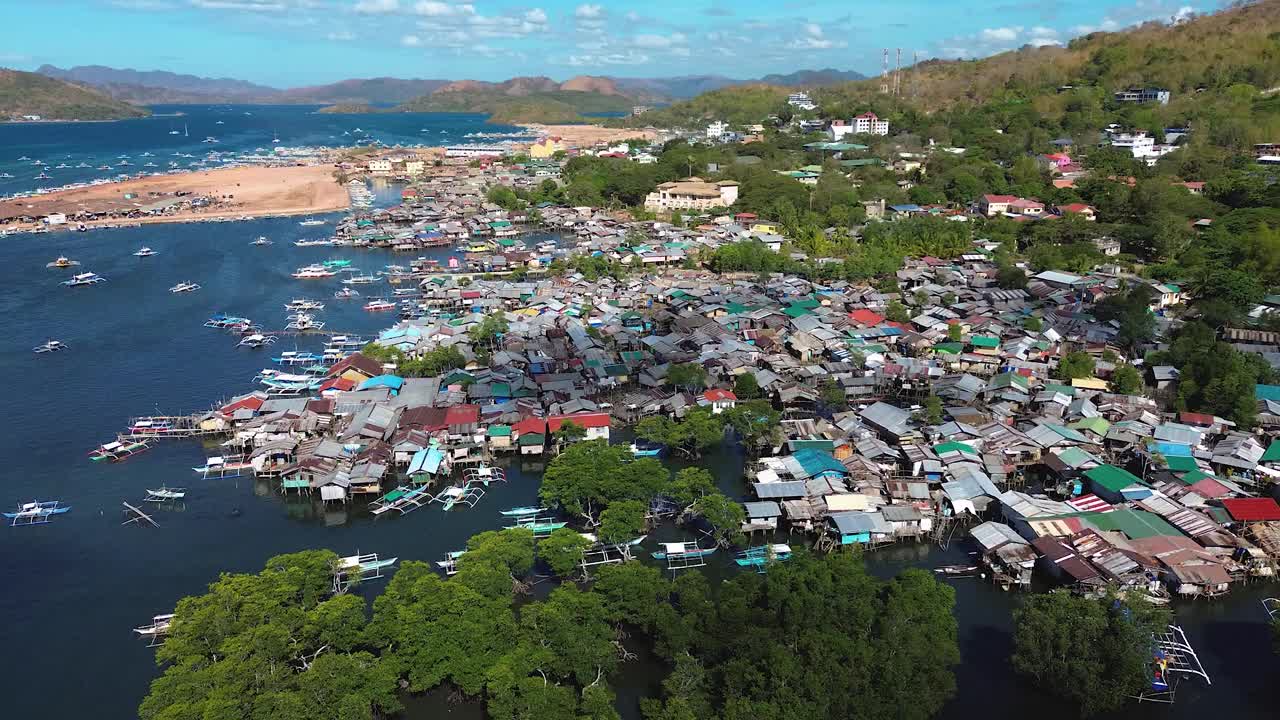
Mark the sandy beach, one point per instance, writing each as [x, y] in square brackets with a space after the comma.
[578, 135]
[235, 192]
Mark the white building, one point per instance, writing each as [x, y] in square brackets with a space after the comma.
[717, 130]
[414, 167]
[1142, 146]
[1143, 95]
[380, 166]
[692, 194]
[868, 124]
[801, 100]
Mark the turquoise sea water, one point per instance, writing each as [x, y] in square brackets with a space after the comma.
[71, 591]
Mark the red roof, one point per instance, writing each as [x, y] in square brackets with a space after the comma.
[586, 420]
[531, 425]
[252, 401]
[1252, 509]
[1196, 418]
[338, 383]
[1077, 208]
[356, 361]
[470, 294]
[869, 116]
[999, 198]
[866, 317]
[716, 395]
[462, 415]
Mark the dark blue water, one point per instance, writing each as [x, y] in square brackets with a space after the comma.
[244, 129]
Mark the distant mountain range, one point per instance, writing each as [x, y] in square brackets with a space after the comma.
[159, 86]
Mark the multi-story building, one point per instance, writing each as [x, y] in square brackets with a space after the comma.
[692, 194]
[1143, 95]
[868, 124]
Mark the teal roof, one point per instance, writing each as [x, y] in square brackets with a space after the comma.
[1135, 524]
[1272, 453]
[817, 462]
[984, 341]
[1181, 464]
[1267, 392]
[1112, 478]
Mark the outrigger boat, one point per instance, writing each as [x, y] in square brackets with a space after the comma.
[450, 562]
[358, 568]
[336, 263]
[303, 321]
[224, 467]
[36, 512]
[681, 549]
[256, 340]
[641, 449]
[262, 240]
[523, 511]
[379, 305]
[303, 304]
[346, 342]
[184, 287]
[159, 627]
[361, 280]
[145, 252]
[312, 222]
[118, 451]
[313, 272]
[50, 346]
[345, 294]
[293, 357]
[222, 321]
[312, 243]
[165, 494]
[541, 526]
[84, 279]
[63, 262]
[759, 557]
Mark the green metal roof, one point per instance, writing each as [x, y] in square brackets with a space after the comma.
[1272, 453]
[949, 348]
[1099, 425]
[954, 447]
[1112, 478]
[1178, 463]
[499, 431]
[984, 341]
[1135, 524]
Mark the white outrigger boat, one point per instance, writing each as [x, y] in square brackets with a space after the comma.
[450, 562]
[379, 305]
[224, 467]
[262, 240]
[145, 251]
[346, 294]
[256, 340]
[302, 304]
[165, 494]
[303, 321]
[63, 262]
[312, 222]
[184, 287]
[156, 631]
[358, 568]
[84, 279]
[313, 272]
[313, 243]
[50, 346]
[36, 512]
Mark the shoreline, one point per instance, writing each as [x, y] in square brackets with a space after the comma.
[221, 194]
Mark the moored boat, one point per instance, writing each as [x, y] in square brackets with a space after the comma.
[36, 512]
[145, 252]
[379, 305]
[50, 346]
[118, 451]
[313, 272]
[184, 287]
[256, 340]
[63, 262]
[84, 279]
[346, 294]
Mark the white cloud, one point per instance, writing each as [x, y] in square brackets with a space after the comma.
[588, 12]
[1184, 13]
[1041, 31]
[814, 39]
[1001, 34]
[376, 7]
[630, 57]
[650, 40]
[537, 16]
[341, 36]
[433, 8]
[410, 41]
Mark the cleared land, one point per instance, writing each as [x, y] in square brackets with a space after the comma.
[590, 134]
[231, 193]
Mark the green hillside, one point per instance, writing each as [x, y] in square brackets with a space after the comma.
[24, 93]
[737, 105]
[541, 107]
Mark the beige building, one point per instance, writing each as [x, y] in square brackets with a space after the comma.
[692, 194]
[414, 167]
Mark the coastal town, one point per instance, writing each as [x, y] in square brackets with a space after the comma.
[813, 396]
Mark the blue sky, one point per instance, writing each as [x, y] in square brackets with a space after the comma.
[287, 43]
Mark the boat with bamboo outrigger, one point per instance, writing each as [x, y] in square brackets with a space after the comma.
[165, 494]
[36, 512]
[156, 631]
[358, 568]
[224, 467]
[759, 557]
[118, 451]
[540, 525]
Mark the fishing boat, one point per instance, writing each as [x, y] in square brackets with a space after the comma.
[224, 467]
[450, 562]
[222, 321]
[358, 568]
[84, 279]
[44, 176]
[379, 305]
[209, 139]
[303, 321]
[336, 263]
[256, 340]
[522, 511]
[643, 449]
[166, 494]
[312, 222]
[361, 280]
[346, 294]
[50, 346]
[36, 512]
[347, 342]
[183, 287]
[312, 243]
[540, 526]
[303, 304]
[760, 556]
[293, 357]
[459, 495]
[117, 451]
[313, 272]
[144, 251]
[63, 262]
[262, 240]
[6, 176]
[159, 626]
[151, 426]
[681, 549]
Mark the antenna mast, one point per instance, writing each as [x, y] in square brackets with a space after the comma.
[884, 73]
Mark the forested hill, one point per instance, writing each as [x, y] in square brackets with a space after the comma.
[738, 104]
[24, 93]
[554, 106]
[1213, 51]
